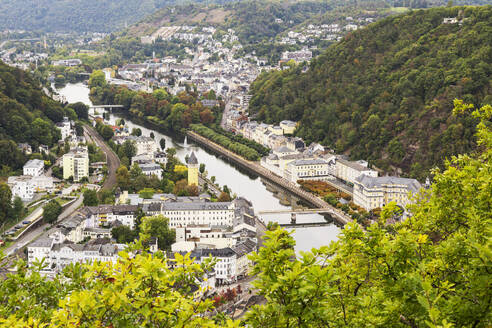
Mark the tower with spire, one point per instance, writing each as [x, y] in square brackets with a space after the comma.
[192, 170]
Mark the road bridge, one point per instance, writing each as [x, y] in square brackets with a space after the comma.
[305, 225]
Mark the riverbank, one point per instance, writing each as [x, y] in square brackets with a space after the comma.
[337, 215]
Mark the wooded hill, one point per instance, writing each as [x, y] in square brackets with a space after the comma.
[76, 15]
[385, 93]
[27, 115]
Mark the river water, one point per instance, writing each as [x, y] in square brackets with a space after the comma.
[262, 194]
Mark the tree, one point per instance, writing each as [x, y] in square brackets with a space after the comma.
[81, 109]
[158, 226]
[123, 234]
[107, 132]
[202, 168]
[123, 177]
[129, 149]
[432, 270]
[136, 132]
[162, 143]
[18, 208]
[51, 211]
[90, 198]
[5, 201]
[97, 79]
[224, 197]
[152, 135]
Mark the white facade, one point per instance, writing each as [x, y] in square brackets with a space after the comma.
[65, 128]
[144, 145]
[376, 192]
[76, 164]
[34, 167]
[348, 171]
[150, 169]
[313, 169]
[104, 215]
[183, 214]
[22, 187]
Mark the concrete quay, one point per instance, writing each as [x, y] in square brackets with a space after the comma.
[336, 214]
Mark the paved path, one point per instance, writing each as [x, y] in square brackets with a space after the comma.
[113, 162]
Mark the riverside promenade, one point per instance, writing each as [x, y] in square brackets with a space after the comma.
[336, 214]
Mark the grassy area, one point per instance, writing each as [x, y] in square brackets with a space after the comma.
[397, 10]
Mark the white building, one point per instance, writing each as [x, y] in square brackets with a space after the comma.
[312, 169]
[21, 186]
[376, 192]
[104, 215]
[182, 214]
[58, 255]
[144, 145]
[348, 171]
[149, 169]
[76, 164]
[33, 167]
[65, 128]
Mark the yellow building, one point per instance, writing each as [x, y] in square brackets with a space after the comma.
[76, 164]
[192, 170]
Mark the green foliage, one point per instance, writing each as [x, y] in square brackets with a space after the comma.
[124, 234]
[90, 198]
[390, 85]
[26, 115]
[158, 227]
[236, 147]
[5, 202]
[51, 211]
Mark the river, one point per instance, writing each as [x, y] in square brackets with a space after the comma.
[262, 194]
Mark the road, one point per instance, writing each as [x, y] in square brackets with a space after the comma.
[113, 162]
[37, 232]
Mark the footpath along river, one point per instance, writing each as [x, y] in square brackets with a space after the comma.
[245, 184]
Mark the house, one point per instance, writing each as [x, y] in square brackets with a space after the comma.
[150, 169]
[65, 128]
[71, 229]
[25, 148]
[76, 164]
[34, 167]
[243, 263]
[348, 171]
[376, 192]
[144, 145]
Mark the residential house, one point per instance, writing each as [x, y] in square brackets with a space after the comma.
[34, 167]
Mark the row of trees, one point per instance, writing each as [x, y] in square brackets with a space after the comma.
[236, 147]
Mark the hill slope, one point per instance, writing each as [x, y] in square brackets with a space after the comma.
[75, 15]
[385, 93]
[26, 115]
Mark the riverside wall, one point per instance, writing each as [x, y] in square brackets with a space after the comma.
[317, 202]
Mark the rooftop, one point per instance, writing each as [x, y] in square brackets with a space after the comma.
[373, 182]
[34, 164]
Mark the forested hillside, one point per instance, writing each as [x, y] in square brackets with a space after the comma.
[385, 93]
[75, 15]
[27, 115]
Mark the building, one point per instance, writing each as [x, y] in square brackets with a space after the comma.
[34, 167]
[58, 255]
[76, 164]
[312, 169]
[150, 169]
[376, 192]
[144, 145]
[348, 171]
[25, 148]
[288, 127]
[183, 214]
[65, 128]
[21, 186]
[192, 170]
[105, 215]
[225, 267]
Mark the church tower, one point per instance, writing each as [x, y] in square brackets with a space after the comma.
[192, 170]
